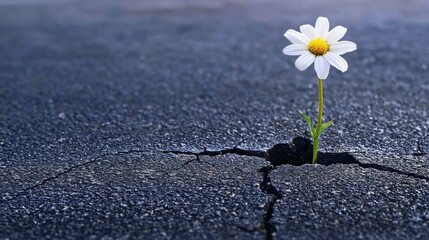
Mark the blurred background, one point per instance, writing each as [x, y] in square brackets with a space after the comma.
[193, 74]
[268, 10]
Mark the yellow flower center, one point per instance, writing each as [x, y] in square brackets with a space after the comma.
[318, 46]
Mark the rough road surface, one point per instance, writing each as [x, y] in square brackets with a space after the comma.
[158, 120]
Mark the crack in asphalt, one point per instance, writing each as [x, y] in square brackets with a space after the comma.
[391, 170]
[265, 183]
[234, 150]
[345, 158]
[68, 170]
[266, 186]
[298, 152]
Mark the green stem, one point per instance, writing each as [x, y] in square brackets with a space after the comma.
[319, 122]
[315, 146]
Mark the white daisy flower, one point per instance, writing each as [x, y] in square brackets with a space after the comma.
[319, 45]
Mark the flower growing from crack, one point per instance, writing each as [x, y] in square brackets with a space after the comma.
[322, 47]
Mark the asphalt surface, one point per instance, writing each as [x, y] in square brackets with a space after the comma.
[151, 120]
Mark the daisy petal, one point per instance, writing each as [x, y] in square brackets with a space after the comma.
[335, 60]
[322, 27]
[296, 37]
[336, 34]
[304, 61]
[322, 67]
[308, 31]
[342, 47]
[295, 49]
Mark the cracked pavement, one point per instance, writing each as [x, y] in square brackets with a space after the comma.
[155, 120]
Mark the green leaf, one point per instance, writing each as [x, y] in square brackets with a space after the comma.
[310, 124]
[326, 125]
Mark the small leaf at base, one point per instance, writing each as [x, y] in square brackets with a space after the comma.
[310, 124]
[326, 125]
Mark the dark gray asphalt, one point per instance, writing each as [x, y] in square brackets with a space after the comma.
[92, 93]
[352, 202]
[144, 196]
